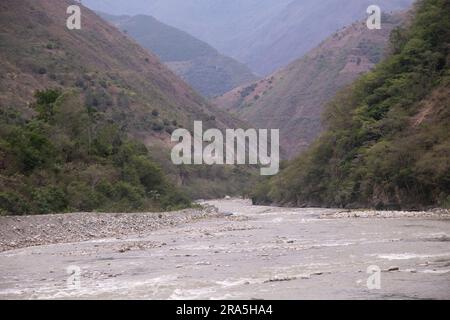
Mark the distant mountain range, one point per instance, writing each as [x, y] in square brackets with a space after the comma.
[199, 64]
[294, 98]
[264, 34]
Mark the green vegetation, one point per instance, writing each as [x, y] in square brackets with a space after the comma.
[387, 143]
[248, 90]
[71, 157]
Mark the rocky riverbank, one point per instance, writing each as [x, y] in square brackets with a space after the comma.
[431, 214]
[25, 231]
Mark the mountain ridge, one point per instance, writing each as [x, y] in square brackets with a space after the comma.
[195, 61]
[293, 98]
[264, 34]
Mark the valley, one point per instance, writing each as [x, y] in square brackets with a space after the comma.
[203, 67]
[224, 150]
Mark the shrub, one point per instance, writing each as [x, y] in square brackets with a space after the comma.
[13, 203]
[49, 200]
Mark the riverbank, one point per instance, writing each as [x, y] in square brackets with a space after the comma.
[26, 231]
[34, 230]
[255, 253]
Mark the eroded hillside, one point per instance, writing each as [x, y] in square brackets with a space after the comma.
[294, 98]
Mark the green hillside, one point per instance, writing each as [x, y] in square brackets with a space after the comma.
[69, 157]
[387, 143]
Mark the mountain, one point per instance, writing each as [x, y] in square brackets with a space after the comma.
[199, 64]
[300, 27]
[79, 111]
[264, 34]
[294, 98]
[387, 142]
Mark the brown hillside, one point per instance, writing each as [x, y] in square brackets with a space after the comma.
[293, 98]
[38, 51]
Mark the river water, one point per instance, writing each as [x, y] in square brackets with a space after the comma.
[258, 253]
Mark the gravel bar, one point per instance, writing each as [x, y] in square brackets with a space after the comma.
[34, 230]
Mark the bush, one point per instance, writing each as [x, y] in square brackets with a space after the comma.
[157, 126]
[49, 200]
[82, 197]
[13, 203]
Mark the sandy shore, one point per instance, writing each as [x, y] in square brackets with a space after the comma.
[26, 231]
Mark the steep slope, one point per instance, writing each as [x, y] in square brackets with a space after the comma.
[387, 142]
[301, 26]
[264, 34]
[76, 106]
[199, 64]
[38, 52]
[293, 98]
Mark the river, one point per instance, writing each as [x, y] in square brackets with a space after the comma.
[257, 253]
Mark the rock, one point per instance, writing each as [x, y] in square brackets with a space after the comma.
[390, 269]
[280, 279]
[122, 250]
[227, 197]
[411, 270]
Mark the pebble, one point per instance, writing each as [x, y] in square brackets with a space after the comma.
[411, 270]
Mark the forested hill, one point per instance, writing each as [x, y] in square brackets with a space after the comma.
[387, 142]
